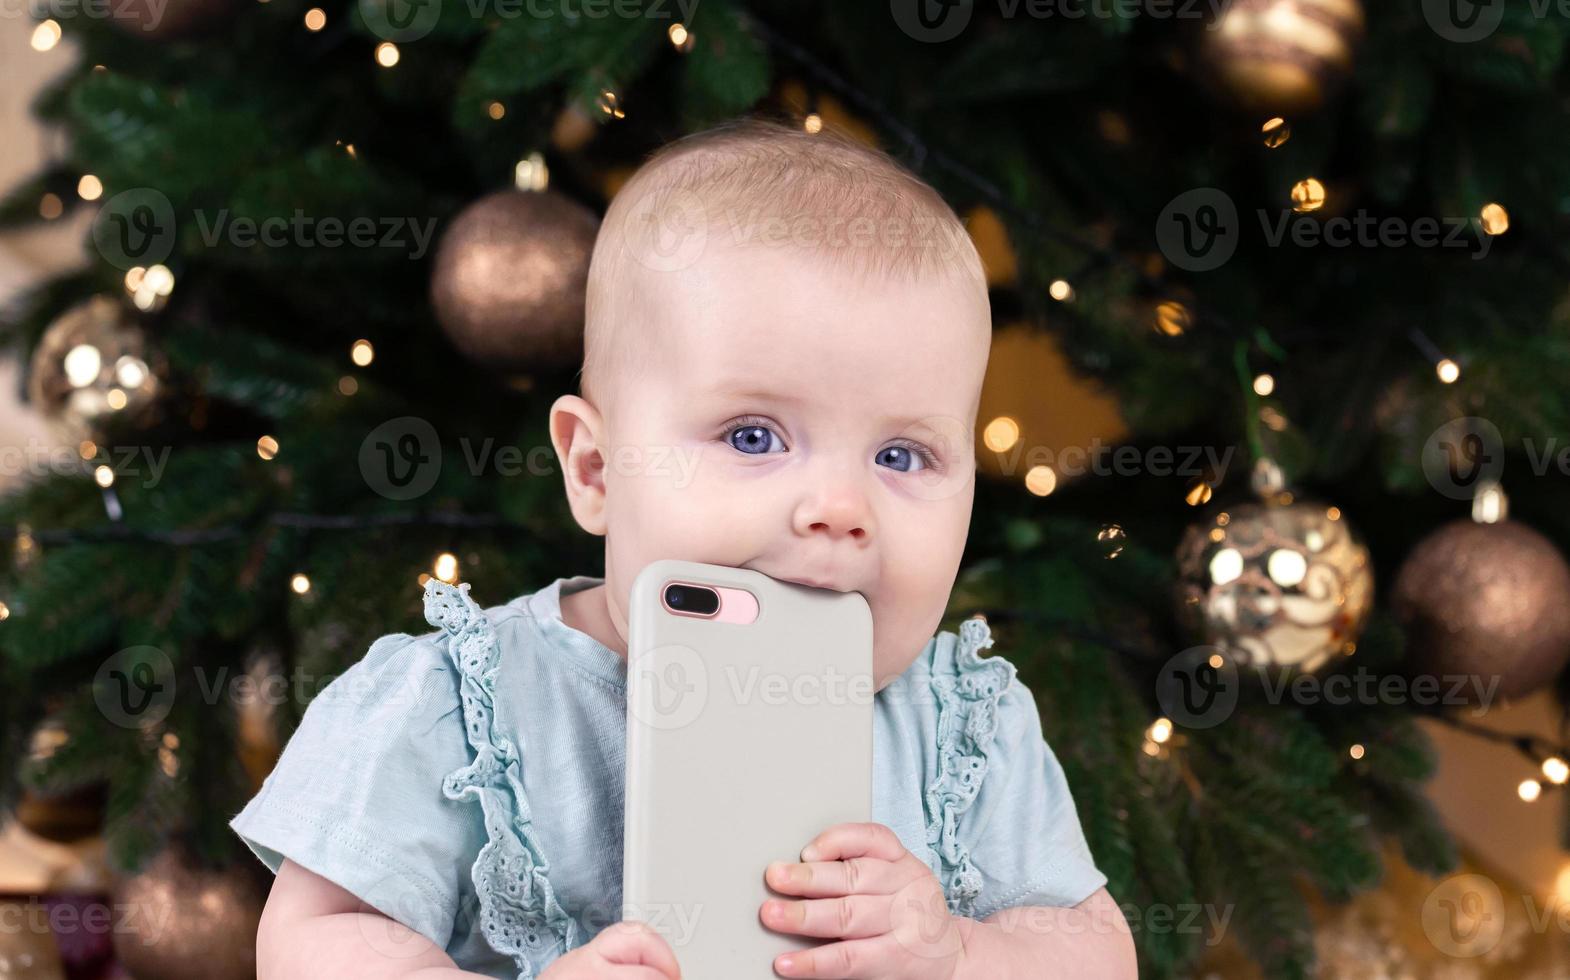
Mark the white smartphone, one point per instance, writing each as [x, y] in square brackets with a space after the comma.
[749, 732]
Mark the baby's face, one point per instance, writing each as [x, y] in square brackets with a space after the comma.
[814, 426]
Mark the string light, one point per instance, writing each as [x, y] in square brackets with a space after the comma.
[89, 188]
[1199, 494]
[1356, 751]
[1489, 504]
[347, 385]
[1060, 290]
[1001, 433]
[1449, 371]
[1556, 771]
[103, 476]
[813, 123]
[46, 35]
[1159, 731]
[150, 287]
[1495, 219]
[681, 37]
[610, 104]
[531, 173]
[1529, 790]
[496, 110]
[1172, 318]
[5, 612]
[1264, 385]
[1041, 480]
[362, 353]
[267, 447]
[50, 207]
[1275, 131]
[300, 583]
[315, 19]
[445, 567]
[387, 54]
[1308, 194]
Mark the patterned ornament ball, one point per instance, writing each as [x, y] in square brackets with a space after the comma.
[1278, 585]
[93, 371]
[1281, 56]
[508, 287]
[1486, 600]
[206, 919]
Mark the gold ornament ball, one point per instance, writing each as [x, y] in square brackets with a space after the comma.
[1486, 600]
[1281, 56]
[508, 287]
[1279, 586]
[92, 371]
[196, 923]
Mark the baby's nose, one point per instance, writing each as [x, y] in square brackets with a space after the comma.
[838, 512]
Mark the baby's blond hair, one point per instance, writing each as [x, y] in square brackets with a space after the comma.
[758, 181]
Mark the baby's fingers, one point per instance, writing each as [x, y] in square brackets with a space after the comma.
[632, 943]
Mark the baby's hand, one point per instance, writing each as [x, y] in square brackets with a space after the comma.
[627, 950]
[862, 886]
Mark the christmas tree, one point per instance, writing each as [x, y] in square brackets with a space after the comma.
[1315, 250]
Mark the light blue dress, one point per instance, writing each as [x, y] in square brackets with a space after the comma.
[468, 782]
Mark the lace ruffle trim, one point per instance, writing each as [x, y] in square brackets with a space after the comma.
[519, 914]
[968, 697]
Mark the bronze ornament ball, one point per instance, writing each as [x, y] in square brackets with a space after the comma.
[1277, 586]
[192, 923]
[509, 280]
[1486, 600]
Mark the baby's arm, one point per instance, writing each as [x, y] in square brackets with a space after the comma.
[1092, 939]
[313, 928]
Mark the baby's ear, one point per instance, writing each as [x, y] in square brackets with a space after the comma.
[576, 427]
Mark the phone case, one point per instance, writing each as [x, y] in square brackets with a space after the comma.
[744, 741]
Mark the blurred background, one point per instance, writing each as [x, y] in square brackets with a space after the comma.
[1275, 426]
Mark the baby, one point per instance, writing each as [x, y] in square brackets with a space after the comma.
[785, 343]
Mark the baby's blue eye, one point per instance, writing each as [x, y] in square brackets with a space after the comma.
[754, 440]
[901, 458]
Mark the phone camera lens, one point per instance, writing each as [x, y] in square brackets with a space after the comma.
[692, 599]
